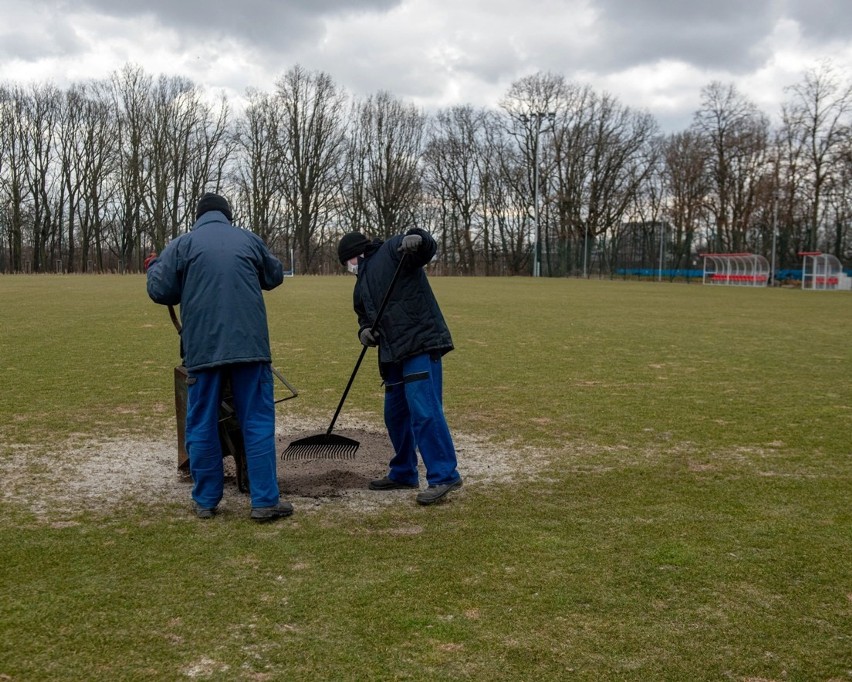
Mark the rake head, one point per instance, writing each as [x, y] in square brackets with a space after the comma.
[322, 446]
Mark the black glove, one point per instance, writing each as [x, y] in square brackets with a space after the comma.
[410, 243]
[367, 337]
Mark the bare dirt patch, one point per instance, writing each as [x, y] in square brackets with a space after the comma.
[102, 476]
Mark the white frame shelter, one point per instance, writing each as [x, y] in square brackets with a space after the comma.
[822, 271]
[735, 269]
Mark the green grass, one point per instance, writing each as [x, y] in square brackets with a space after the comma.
[694, 522]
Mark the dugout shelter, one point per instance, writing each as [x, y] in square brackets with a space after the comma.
[823, 272]
[735, 269]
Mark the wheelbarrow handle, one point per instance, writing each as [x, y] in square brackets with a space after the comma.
[175, 320]
[290, 387]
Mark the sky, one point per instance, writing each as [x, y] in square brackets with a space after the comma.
[653, 55]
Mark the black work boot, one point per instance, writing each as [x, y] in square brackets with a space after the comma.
[263, 514]
[435, 492]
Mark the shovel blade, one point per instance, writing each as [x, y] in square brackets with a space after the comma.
[322, 446]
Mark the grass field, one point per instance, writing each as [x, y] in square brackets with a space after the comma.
[693, 521]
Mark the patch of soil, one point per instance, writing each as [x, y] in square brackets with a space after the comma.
[99, 476]
[329, 477]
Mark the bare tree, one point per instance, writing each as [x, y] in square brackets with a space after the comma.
[257, 168]
[686, 185]
[173, 116]
[210, 149]
[105, 168]
[533, 105]
[96, 159]
[40, 117]
[816, 122]
[506, 200]
[453, 173]
[492, 183]
[85, 145]
[572, 149]
[132, 102]
[5, 235]
[15, 149]
[383, 155]
[840, 240]
[311, 140]
[596, 159]
[737, 135]
[621, 159]
[71, 115]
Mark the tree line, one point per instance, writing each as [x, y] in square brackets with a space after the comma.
[557, 178]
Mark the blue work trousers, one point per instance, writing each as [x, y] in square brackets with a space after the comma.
[252, 389]
[414, 416]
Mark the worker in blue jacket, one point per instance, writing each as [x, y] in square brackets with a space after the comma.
[412, 337]
[216, 273]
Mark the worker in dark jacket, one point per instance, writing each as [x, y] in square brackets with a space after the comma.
[217, 272]
[412, 337]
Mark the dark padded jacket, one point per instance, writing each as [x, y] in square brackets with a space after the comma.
[412, 323]
[216, 273]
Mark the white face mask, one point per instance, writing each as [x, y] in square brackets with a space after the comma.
[352, 266]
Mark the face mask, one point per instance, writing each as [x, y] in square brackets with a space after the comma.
[352, 267]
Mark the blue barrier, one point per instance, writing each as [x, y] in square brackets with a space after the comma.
[655, 272]
[780, 275]
[791, 273]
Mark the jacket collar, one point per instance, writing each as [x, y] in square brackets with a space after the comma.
[210, 217]
[372, 247]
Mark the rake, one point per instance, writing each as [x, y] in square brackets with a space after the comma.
[329, 445]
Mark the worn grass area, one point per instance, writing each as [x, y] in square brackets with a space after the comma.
[694, 524]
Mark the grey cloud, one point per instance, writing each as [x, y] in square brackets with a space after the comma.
[28, 41]
[822, 20]
[268, 24]
[721, 34]
[405, 79]
[486, 49]
[491, 62]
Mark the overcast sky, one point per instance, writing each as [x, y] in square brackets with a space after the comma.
[654, 55]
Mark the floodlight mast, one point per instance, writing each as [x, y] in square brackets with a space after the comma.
[774, 237]
[537, 117]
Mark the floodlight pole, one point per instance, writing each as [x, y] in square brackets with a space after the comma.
[536, 265]
[536, 116]
[774, 238]
[662, 246]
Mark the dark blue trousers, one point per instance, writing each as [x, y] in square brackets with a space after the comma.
[414, 416]
[251, 385]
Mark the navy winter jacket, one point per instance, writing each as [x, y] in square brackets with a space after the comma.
[216, 273]
[412, 323]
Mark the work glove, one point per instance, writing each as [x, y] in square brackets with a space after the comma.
[368, 338]
[148, 260]
[410, 243]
